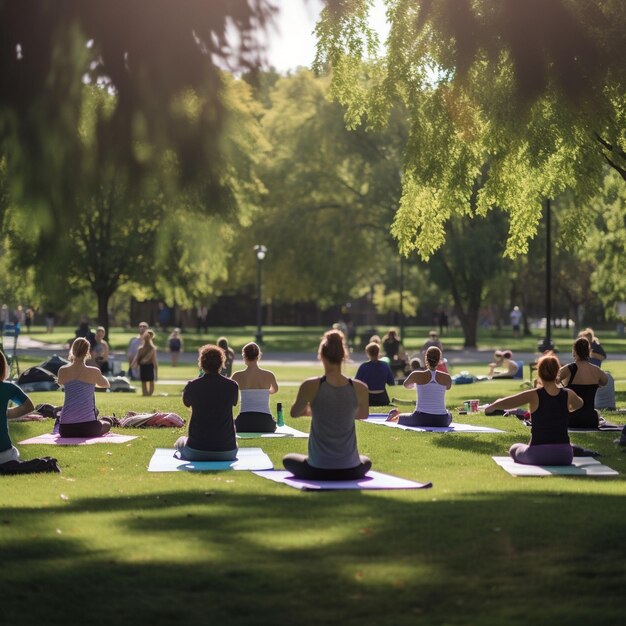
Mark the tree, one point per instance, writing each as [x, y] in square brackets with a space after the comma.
[470, 258]
[329, 195]
[151, 54]
[533, 89]
[167, 245]
[607, 242]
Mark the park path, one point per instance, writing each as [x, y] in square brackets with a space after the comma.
[33, 347]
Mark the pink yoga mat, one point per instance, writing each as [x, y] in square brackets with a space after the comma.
[57, 440]
[372, 480]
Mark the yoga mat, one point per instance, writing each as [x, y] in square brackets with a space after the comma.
[601, 429]
[163, 460]
[281, 431]
[372, 480]
[57, 440]
[581, 466]
[379, 418]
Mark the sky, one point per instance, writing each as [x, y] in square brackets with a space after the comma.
[294, 43]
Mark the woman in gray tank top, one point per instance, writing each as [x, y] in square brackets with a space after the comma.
[333, 401]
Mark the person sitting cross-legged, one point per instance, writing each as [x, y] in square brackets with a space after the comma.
[376, 375]
[550, 408]
[334, 402]
[79, 416]
[587, 379]
[431, 386]
[211, 398]
[255, 386]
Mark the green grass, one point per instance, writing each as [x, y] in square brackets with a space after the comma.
[107, 542]
[306, 339]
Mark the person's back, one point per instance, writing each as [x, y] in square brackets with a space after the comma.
[255, 387]
[583, 378]
[550, 420]
[332, 440]
[211, 398]
[78, 417]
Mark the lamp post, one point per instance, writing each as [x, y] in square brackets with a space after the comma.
[546, 343]
[260, 252]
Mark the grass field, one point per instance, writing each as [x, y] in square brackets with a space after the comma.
[298, 339]
[107, 542]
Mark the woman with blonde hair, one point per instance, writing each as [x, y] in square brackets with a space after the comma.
[255, 387]
[146, 361]
[550, 408]
[431, 386]
[79, 416]
[334, 402]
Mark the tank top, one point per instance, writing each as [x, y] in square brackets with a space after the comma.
[332, 440]
[586, 416]
[255, 400]
[549, 422]
[79, 404]
[431, 397]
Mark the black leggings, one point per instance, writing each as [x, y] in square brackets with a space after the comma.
[255, 422]
[92, 428]
[298, 465]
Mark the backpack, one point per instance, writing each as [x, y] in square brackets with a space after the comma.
[37, 379]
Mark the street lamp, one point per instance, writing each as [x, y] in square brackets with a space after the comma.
[546, 343]
[260, 252]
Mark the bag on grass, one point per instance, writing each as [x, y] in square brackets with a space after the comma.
[42, 465]
[37, 379]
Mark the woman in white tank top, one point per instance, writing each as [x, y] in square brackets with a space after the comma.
[255, 387]
[431, 385]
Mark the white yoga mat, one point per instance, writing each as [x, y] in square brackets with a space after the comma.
[581, 466]
[281, 431]
[163, 460]
[56, 440]
[380, 418]
[372, 480]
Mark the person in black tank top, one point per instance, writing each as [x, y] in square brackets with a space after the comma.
[550, 407]
[588, 378]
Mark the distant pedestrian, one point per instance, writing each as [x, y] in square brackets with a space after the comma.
[443, 321]
[29, 316]
[229, 357]
[516, 320]
[175, 346]
[49, 322]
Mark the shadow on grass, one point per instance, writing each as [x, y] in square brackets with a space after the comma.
[321, 558]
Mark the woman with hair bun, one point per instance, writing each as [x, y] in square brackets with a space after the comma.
[431, 386]
[503, 365]
[79, 416]
[211, 398]
[255, 387]
[588, 378]
[333, 401]
[550, 409]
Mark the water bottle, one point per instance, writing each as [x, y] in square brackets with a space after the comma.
[280, 418]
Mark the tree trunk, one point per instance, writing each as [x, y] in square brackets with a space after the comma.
[103, 310]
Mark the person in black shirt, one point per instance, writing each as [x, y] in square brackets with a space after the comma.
[211, 398]
[550, 406]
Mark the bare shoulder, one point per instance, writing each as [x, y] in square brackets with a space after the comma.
[359, 385]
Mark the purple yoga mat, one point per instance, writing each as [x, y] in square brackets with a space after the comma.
[372, 480]
[57, 440]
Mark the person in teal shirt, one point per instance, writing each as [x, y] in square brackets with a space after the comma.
[10, 392]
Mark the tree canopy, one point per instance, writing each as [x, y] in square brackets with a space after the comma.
[150, 54]
[528, 95]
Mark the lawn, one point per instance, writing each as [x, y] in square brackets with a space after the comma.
[306, 339]
[105, 541]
